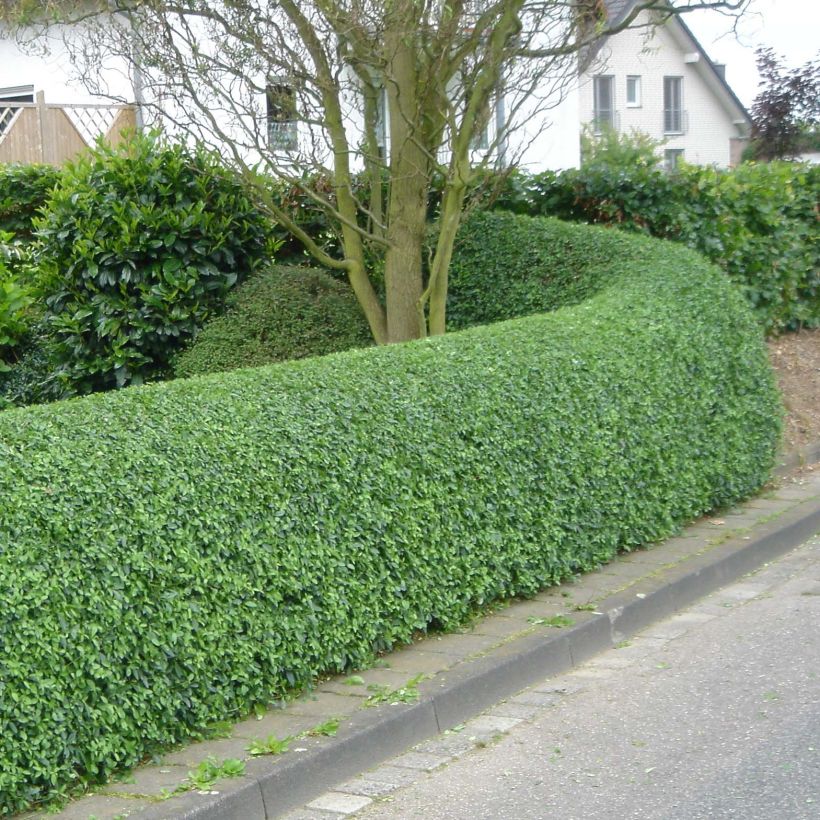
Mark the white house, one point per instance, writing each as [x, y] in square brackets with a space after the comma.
[658, 80]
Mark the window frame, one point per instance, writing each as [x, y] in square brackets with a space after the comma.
[600, 81]
[635, 79]
[8, 96]
[281, 120]
[673, 113]
[672, 158]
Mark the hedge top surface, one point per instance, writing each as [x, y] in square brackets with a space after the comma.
[173, 554]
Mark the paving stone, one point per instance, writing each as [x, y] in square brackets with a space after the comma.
[491, 724]
[100, 807]
[279, 722]
[626, 572]
[460, 646]
[532, 609]
[646, 558]
[150, 780]
[369, 788]
[741, 592]
[327, 704]
[676, 626]
[561, 687]
[312, 814]
[416, 662]
[420, 761]
[340, 803]
[394, 678]
[523, 711]
[453, 744]
[500, 627]
[610, 660]
[194, 754]
[393, 774]
[532, 698]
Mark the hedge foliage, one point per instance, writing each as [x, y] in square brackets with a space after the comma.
[506, 266]
[278, 314]
[138, 246]
[757, 222]
[175, 553]
[24, 190]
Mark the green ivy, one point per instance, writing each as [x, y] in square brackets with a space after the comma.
[171, 555]
[140, 245]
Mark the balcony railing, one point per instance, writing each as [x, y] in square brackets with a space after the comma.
[52, 133]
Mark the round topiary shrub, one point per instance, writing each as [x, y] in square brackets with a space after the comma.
[140, 245]
[280, 313]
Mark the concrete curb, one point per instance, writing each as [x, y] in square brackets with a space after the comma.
[273, 788]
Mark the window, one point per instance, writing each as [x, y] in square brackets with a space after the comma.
[381, 121]
[673, 105]
[8, 96]
[282, 124]
[672, 158]
[633, 91]
[603, 115]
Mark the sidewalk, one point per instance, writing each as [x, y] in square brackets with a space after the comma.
[436, 684]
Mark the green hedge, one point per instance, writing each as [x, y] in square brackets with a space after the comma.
[757, 222]
[506, 266]
[281, 313]
[175, 553]
[24, 190]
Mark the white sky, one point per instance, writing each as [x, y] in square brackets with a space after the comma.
[790, 27]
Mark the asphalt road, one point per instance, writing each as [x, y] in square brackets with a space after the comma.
[714, 713]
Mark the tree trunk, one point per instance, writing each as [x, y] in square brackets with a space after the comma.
[410, 171]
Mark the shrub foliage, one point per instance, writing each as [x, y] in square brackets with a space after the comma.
[173, 554]
[140, 245]
[281, 313]
[757, 222]
[24, 190]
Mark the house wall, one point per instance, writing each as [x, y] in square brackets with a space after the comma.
[654, 54]
[47, 67]
[548, 139]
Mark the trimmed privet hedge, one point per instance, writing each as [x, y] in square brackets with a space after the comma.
[506, 266]
[757, 222]
[175, 553]
[278, 314]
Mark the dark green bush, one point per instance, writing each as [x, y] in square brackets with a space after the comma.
[281, 313]
[757, 222]
[140, 245]
[29, 377]
[173, 554]
[506, 266]
[24, 190]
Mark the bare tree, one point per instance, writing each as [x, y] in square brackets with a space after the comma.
[361, 105]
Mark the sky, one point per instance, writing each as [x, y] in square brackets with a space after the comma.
[790, 27]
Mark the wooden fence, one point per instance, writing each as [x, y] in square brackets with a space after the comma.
[53, 133]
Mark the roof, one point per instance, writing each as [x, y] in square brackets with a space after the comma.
[619, 10]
